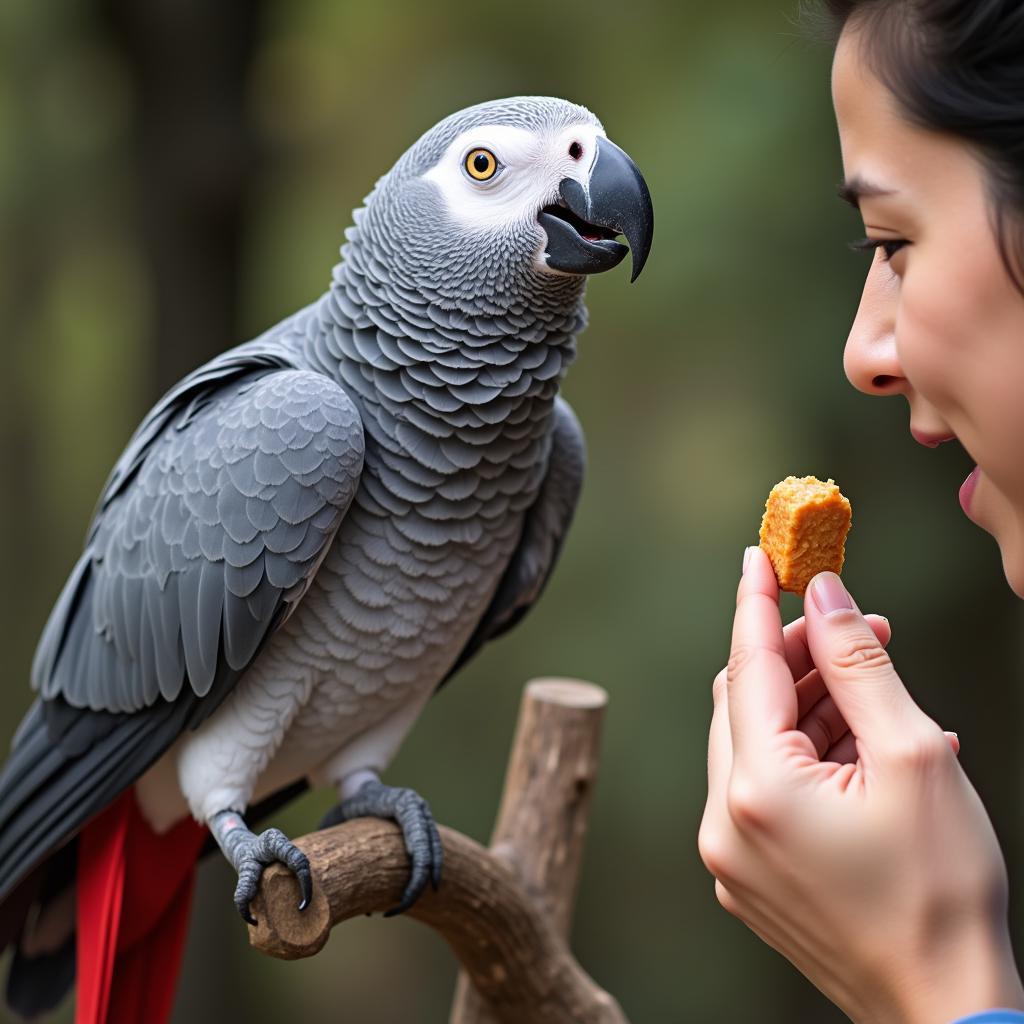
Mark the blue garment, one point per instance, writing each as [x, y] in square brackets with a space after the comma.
[993, 1017]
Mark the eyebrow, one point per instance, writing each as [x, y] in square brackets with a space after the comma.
[853, 190]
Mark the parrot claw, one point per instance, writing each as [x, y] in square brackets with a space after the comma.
[411, 812]
[256, 853]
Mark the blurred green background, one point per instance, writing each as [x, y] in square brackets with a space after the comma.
[176, 176]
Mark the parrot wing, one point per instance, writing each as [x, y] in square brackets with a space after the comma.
[208, 533]
[546, 523]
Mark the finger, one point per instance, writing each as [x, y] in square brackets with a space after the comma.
[714, 826]
[719, 749]
[809, 691]
[824, 725]
[762, 698]
[857, 670]
[798, 654]
[811, 687]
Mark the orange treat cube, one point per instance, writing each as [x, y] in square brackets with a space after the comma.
[804, 530]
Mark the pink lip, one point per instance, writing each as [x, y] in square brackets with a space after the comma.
[931, 440]
[967, 491]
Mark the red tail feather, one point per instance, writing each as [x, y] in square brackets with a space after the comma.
[134, 890]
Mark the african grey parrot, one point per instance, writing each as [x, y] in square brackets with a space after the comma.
[309, 534]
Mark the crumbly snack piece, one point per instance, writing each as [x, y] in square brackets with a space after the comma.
[804, 530]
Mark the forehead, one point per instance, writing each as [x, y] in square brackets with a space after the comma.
[932, 186]
[865, 108]
[881, 145]
[514, 145]
[534, 115]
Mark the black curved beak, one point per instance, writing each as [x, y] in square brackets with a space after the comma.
[581, 229]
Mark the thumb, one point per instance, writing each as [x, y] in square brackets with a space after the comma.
[857, 670]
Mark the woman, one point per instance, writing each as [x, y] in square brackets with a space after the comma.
[839, 825]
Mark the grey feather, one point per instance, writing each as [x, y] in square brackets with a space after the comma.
[219, 555]
[544, 531]
[243, 580]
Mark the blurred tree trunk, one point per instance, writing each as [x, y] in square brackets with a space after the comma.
[194, 153]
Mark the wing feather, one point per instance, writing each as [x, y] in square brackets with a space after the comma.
[202, 541]
[184, 568]
[217, 512]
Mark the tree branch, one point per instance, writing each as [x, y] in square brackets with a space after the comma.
[542, 821]
[499, 935]
[505, 912]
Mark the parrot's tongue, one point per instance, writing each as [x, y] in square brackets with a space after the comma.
[586, 231]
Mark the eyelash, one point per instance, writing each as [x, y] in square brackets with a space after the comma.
[889, 246]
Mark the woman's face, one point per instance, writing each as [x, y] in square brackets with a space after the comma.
[940, 321]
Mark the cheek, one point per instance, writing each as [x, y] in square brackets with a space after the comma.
[960, 340]
[931, 341]
[960, 331]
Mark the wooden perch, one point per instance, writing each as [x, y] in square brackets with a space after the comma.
[505, 912]
[542, 821]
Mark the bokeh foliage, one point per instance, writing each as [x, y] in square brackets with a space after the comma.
[718, 373]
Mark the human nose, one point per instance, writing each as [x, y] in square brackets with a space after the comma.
[870, 358]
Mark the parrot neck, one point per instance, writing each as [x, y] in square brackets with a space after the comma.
[488, 286]
[450, 391]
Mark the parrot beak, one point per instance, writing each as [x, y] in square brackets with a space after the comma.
[582, 226]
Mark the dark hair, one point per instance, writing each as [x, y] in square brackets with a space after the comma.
[956, 66]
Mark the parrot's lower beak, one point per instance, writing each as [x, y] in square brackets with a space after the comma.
[583, 225]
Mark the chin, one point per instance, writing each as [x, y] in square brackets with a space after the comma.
[1012, 551]
[1015, 577]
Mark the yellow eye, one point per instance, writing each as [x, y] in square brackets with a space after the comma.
[481, 164]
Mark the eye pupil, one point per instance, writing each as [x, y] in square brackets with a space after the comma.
[481, 163]
[575, 151]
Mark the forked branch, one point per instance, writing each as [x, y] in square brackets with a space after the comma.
[504, 912]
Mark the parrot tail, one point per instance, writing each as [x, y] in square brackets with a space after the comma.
[134, 891]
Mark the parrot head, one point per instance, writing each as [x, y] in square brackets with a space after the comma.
[511, 194]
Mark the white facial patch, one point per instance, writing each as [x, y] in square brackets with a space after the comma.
[530, 167]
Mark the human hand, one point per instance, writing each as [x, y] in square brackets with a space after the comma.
[839, 825]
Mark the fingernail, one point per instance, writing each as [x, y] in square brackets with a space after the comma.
[829, 594]
[746, 558]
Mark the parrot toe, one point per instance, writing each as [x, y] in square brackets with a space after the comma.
[413, 816]
[256, 854]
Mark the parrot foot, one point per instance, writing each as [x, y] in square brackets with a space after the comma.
[249, 854]
[411, 812]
